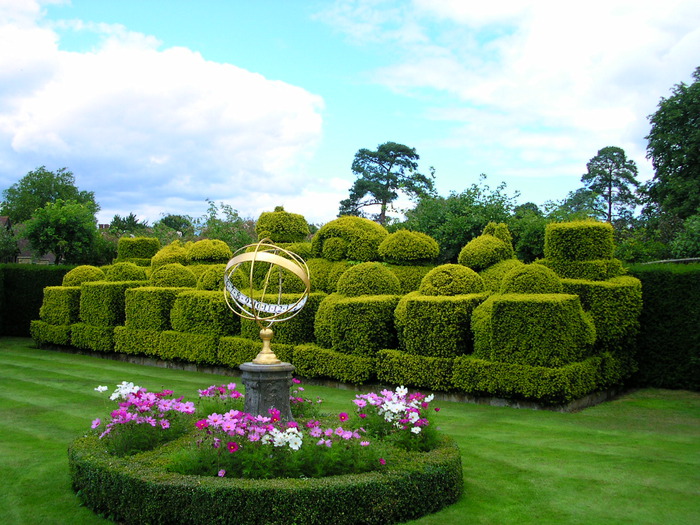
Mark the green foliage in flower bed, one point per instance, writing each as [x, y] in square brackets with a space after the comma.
[102, 303]
[148, 307]
[203, 312]
[189, 347]
[436, 326]
[137, 248]
[546, 330]
[359, 239]
[312, 360]
[125, 271]
[234, 351]
[407, 247]
[143, 487]
[173, 274]
[548, 385]
[281, 226]
[82, 274]
[395, 367]
[61, 305]
[299, 329]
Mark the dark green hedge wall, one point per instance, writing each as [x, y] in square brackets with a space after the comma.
[22, 292]
[668, 346]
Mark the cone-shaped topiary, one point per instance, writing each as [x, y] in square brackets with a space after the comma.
[368, 279]
[531, 278]
[83, 274]
[281, 226]
[451, 279]
[174, 274]
[407, 247]
[125, 271]
[484, 251]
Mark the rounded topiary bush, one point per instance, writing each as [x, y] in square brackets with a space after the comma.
[175, 252]
[213, 251]
[83, 274]
[451, 279]
[281, 226]
[335, 249]
[531, 278]
[484, 251]
[493, 275]
[407, 247]
[174, 274]
[368, 279]
[125, 271]
[362, 236]
[500, 231]
[212, 278]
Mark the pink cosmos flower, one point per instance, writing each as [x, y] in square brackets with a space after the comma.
[202, 423]
[437, 409]
[232, 446]
[364, 443]
[343, 416]
[164, 423]
[296, 381]
[96, 423]
[382, 461]
[222, 473]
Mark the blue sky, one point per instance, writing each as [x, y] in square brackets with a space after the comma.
[159, 105]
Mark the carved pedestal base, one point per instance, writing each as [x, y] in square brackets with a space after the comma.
[267, 386]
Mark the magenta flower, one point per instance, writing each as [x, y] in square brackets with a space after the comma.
[232, 446]
[343, 416]
[96, 423]
[222, 473]
[437, 409]
[362, 416]
[296, 381]
[382, 461]
[202, 423]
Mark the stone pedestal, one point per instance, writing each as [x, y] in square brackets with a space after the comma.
[267, 386]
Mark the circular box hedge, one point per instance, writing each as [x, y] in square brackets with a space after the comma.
[139, 489]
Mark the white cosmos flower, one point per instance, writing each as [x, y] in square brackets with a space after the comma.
[101, 388]
[415, 430]
[401, 391]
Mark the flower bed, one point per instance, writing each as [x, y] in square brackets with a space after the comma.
[399, 466]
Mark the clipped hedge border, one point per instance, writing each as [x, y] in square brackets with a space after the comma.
[312, 361]
[395, 367]
[140, 490]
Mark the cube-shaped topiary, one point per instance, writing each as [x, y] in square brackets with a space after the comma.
[203, 312]
[531, 278]
[137, 247]
[173, 274]
[436, 326]
[597, 270]
[451, 279]
[407, 247]
[102, 303]
[125, 271]
[368, 278]
[579, 241]
[83, 274]
[281, 226]
[363, 325]
[148, 308]
[548, 330]
[61, 305]
[362, 238]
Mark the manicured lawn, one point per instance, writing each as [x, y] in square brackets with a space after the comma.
[634, 460]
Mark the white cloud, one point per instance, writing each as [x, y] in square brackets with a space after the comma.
[139, 124]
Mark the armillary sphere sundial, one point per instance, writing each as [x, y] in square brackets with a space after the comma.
[264, 267]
